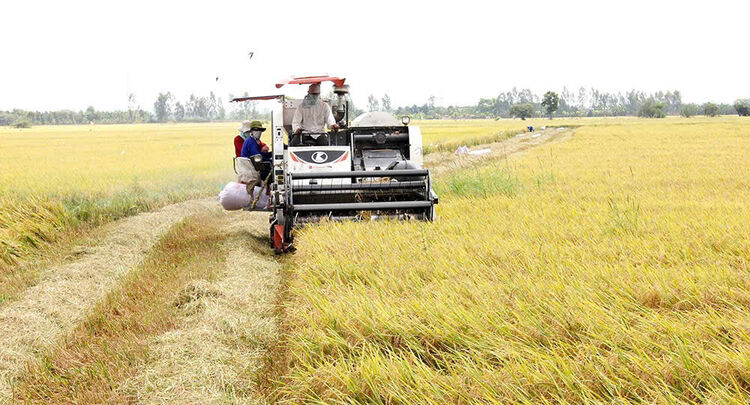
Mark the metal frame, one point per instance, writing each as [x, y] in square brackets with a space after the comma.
[362, 206]
[360, 174]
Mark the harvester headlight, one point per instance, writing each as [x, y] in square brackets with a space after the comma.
[405, 120]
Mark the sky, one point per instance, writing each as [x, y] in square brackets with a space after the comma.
[72, 54]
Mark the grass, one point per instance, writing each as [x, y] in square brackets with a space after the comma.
[447, 135]
[112, 342]
[486, 181]
[612, 267]
[57, 181]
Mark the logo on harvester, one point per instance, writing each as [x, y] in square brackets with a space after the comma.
[319, 157]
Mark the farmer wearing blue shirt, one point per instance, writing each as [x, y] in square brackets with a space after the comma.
[253, 146]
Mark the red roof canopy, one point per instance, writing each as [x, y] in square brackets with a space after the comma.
[338, 81]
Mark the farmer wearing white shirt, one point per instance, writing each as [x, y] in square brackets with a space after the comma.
[311, 117]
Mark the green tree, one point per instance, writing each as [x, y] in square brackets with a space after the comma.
[689, 110]
[711, 109]
[179, 112]
[221, 112]
[386, 102]
[522, 111]
[190, 106]
[372, 103]
[90, 114]
[22, 123]
[162, 107]
[201, 108]
[742, 107]
[248, 107]
[212, 107]
[551, 103]
[132, 107]
[651, 109]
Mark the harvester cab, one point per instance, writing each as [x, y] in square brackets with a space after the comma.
[370, 168]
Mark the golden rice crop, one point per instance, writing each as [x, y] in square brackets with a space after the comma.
[614, 266]
[447, 135]
[108, 346]
[55, 179]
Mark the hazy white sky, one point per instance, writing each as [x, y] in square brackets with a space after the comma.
[71, 54]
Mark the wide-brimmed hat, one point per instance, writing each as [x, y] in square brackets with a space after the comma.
[248, 125]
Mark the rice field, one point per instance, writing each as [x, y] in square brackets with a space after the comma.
[613, 267]
[610, 267]
[447, 135]
[55, 180]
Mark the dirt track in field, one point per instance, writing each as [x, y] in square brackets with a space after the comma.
[224, 337]
[218, 354]
[441, 162]
[49, 310]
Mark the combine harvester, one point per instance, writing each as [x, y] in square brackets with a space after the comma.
[371, 168]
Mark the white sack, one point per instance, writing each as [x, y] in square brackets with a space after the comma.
[234, 196]
[462, 149]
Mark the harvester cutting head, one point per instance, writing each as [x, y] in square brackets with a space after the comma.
[369, 169]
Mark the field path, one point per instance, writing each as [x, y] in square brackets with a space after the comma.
[441, 162]
[219, 352]
[52, 308]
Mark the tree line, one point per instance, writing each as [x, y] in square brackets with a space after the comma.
[521, 103]
[23, 118]
[584, 102]
[203, 109]
[166, 108]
